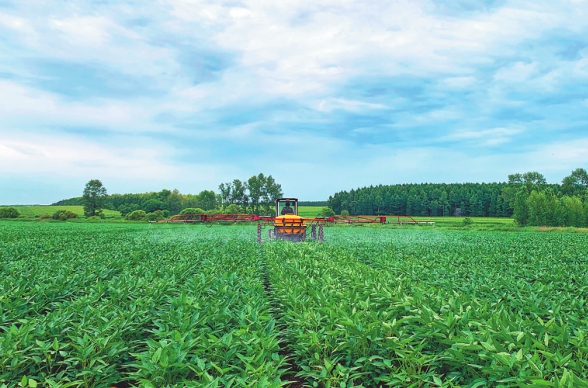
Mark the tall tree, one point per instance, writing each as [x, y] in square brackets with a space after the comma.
[93, 198]
[521, 210]
[256, 184]
[576, 183]
[271, 192]
[207, 200]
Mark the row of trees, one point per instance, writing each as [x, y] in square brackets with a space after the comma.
[538, 204]
[527, 196]
[255, 195]
[426, 199]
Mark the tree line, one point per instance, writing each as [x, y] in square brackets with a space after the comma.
[256, 195]
[526, 196]
[425, 199]
[538, 204]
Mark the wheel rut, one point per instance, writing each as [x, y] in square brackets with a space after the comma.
[285, 349]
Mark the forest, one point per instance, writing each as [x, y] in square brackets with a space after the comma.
[527, 197]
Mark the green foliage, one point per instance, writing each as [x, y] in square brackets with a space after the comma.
[344, 212]
[8, 212]
[467, 221]
[63, 215]
[153, 205]
[258, 193]
[576, 183]
[521, 209]
[93, 198]
[474, 199]
[544, 208]
[192, 210]
[232, 209]
[156, 215]
[94, 305]
[420, 309]
[326, 212]
[137, 215]
[36, 211]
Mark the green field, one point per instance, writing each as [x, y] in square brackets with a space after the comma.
[309, 211]
[92, 305]
[39, 210]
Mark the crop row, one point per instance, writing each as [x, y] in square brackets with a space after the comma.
[91, 307]
[435, 309]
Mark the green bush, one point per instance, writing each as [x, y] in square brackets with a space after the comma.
[156, 215]
[344, 212]
[63, 215]
[233, 209]
[192, 210]
[137, 215]
[8, 212]
[467, 221]
[326, 212]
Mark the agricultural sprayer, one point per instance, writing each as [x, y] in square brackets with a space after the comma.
[287, 224]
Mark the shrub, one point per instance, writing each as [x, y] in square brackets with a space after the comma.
[63, 215]
[233, 209]
[126, 209]
[94, 218]
[467, 221]
[8, 212]
[326, 212]
[45, 216]
[192, 210]
[344, 212]
[156, 215]
[137, 215]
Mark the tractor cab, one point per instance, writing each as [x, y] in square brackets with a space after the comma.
[288, 225]
[285, 206]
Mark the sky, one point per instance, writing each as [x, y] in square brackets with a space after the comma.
[324, 95]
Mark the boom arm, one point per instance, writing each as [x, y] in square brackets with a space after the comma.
[211, 218]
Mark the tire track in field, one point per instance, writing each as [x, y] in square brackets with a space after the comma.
[285, 349]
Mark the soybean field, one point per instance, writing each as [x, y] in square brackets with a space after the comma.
[121, 305]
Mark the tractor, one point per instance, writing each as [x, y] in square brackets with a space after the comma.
[287, 224]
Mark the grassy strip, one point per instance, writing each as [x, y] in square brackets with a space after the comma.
[39, 210]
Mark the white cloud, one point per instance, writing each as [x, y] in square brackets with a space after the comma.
[458, 82]
[302, 53]
[14, 22]
[290, 45]
[519, 72]
[50, 154]
[330, 104]
[485, 138]
[22, 104]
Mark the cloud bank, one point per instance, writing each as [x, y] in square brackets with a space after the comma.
[323, 95]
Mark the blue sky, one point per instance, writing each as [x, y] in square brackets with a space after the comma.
[324, 95]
